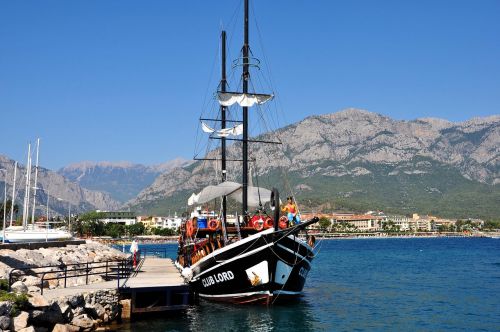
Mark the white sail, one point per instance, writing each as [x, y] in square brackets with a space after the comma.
[206, 128]
[243, 99]
[234, 131]
[233, 190]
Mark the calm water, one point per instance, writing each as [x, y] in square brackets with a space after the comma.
[434, 284]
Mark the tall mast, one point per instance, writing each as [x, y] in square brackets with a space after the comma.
[12, 203]
[27, 188]
[246, 77]
[35, 188]
[223, 84]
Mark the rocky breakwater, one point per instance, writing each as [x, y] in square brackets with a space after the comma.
[30, 311]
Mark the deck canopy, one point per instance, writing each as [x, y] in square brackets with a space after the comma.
[233, 190]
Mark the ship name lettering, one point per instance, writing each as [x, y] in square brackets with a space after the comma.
[217, 278]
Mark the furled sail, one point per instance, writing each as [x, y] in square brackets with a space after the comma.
[243, 99]
[233, 190]
[234, 131]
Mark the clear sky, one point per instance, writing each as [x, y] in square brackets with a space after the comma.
[119, 80]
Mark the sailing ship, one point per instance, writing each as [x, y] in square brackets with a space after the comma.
[257, 258]
[30, 232]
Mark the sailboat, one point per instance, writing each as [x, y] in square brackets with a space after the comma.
[31, 232]
[258, 258]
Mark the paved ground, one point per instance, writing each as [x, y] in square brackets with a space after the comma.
[154, 272]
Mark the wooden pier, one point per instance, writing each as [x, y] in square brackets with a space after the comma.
[156, 285]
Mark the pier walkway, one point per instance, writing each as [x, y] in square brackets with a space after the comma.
[156, 285]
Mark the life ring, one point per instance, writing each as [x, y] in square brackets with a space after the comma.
[283, 222]
[311, 241]
[213, 224]
[268, 223]
[258, 225]
[189, 228]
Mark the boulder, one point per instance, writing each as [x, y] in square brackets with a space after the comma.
[21, 321]
[38, 301]
[5, 322]
[76, 300]
[34, 289]
[65, 328]
[5, 308]
[83, 322]
[33, 281]
[19, 287]
[27, 329]
[48, 316]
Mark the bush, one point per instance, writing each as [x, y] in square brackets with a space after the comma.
[19, 301]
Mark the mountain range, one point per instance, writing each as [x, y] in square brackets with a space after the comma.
[121, 180]
[350, 160]
[358, 160]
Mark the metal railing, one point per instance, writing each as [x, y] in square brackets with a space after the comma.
[118, 268]
[159, 252]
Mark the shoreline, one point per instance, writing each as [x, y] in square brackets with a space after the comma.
[320, 236]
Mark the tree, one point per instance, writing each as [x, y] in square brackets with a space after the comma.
[136, 229]
[324, 223]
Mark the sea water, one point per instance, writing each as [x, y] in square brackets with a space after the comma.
[410, 284]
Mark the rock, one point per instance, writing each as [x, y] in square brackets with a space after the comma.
[48, 317]
[5, 322]
[76, 300]
[21, 321]
[33, 289]
[95, 311]
[19, 287]
[65, 328]
[38, 301]
[28, 329]
[5, 308]
[34, 281]
[83, 322]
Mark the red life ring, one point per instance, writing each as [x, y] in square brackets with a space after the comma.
[268, 223]
[283, 222]
[258, 224]
[213, 224]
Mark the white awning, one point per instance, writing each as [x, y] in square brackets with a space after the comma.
[233, 190]
[243, 99]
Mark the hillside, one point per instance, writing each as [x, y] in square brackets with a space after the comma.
[62, 192]
[359, 160]
[121, 180]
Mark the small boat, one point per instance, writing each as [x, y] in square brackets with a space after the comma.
[261, 257]
[16, 234]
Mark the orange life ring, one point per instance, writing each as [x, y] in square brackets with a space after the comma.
[258, 224]
[189, 228]
[283, 222]
[213, 224]
[269, 222]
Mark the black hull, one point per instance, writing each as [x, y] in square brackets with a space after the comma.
[263, 268]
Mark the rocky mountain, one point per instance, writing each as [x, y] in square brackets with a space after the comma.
[63, 193]
[357, 160]
[121, 180]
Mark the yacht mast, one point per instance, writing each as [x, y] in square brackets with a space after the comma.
[246, 78]
[12, 203]
[35, 188]
[27, 188]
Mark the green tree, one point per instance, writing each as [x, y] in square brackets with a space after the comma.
[136, 229]
[324, 223]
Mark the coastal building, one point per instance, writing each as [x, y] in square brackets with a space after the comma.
[361, 222]
[160, 222]
[118, 217]
[401, 222]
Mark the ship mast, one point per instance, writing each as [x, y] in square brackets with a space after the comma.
[246, 78]
[223, 84]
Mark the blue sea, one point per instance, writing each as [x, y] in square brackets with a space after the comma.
[411, 284]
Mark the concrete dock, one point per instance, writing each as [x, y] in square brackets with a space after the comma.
[156, 285]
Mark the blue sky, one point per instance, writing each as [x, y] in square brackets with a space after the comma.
[126, 80]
